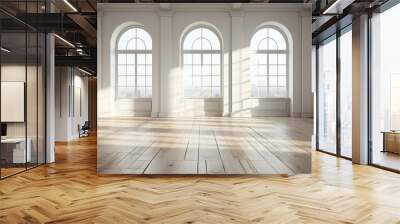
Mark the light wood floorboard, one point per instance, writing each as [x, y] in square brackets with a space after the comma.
[205, 146]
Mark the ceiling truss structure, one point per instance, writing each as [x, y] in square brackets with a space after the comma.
[74, 21]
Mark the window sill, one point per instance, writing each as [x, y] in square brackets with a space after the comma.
[136, 99]
[271, 98]
[204, 98]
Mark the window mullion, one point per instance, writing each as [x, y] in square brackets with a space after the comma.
[201, 66]
[136, 65]
[268, 74]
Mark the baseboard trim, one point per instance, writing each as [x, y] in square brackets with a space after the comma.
[307, 115]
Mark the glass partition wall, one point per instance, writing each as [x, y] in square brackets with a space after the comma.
[334, 94]
[327, 79]
[22, 76]
[385, 90]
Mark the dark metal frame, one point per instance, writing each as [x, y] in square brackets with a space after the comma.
[44, 80]
[337, 36]
[389, 4]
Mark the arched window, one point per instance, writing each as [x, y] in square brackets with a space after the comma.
[201, 55]
[269, 63]
[134, 64]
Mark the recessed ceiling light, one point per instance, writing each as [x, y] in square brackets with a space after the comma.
[5, 50]
[84, 71]
[326, 11]
[70, 5]
[64, 40]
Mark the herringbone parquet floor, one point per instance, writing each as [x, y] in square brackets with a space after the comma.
[70, 191]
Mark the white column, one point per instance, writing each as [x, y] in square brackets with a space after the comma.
[166, 92]
[360, 90]
[235, 88]
[314, 92]
[50, 99]
[306, 36]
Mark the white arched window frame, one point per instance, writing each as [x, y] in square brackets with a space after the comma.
[201, 60]
[269, 63]
[134, 64]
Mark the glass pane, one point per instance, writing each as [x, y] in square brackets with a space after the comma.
[130, 70]
[273, 70]
[212, 39]
[141, 80]
[327, 97]
[205, 44]
[216, 70]
[149, 59]
[272, 44]
[134, 39]
[346, 94]
[122, 59]
[32, 101]
[187, 59]
[216, 59]
[130, 59]
[196, 81]
[141, 70]
[262, 81]
[149, 81]
[122, 81]
[130, 81]
[262, 70]
[273, 81]
[206, 81]
[216, 81]
[187, 70]
[149, 70]
[197, 70]
[279, 40]
[282, 59]
[207, 59]
[206, 70]
[197, 44]
[197, 59]
[262, 59]
[385, 89]
[190, 38]
[273, 59]
[282, 70]
[216, 92]
[140, 45]
[121, 70]
[148, 91]
[14, 66]
[141, 59]
[282, 81]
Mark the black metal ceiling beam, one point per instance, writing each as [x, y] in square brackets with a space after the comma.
[49, 22]
[79, 61]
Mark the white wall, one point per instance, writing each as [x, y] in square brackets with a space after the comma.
[69, 82]
[236, 23]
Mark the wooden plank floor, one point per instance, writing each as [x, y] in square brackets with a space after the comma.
[204, 146]
[70, 191]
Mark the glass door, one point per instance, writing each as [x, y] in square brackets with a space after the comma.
[346, 95]
[326, 104]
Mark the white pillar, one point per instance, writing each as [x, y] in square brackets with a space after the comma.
[306, 36]
[360, 90]
[314, 91]
[235, 92]
[166, 91]
[50, 99]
